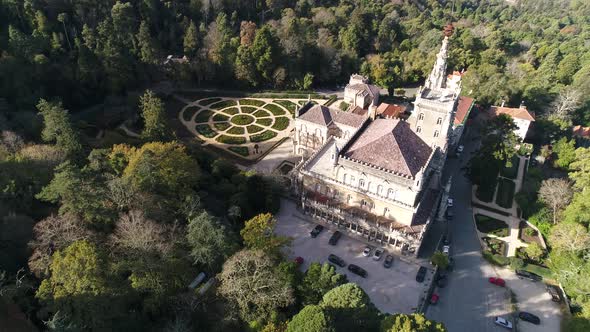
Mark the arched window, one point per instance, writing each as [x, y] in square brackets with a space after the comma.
[380, 190]
[438, 121]
[345, 178]
[390, 193]
[352, 180]
[419, 129]
[421, 116]
[436, 133]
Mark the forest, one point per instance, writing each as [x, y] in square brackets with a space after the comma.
[107, 237]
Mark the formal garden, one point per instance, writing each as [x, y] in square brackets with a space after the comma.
[490, 225]
[244, 127]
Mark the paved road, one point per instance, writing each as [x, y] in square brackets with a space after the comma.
[468, 302]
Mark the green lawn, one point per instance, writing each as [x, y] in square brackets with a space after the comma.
[512, 170]
[254, 129]
[505, 193]
[188, 113]
[248, 109]
[203, 116]
[264, 122]
[490, 225]
[221, 126]
[261, 113]
[242, 119]
[236, 131]
[209, 101]
[231, 111]
[223, 104]
[281, 123]
[289, 105]
[205, 130]
[220, 117]
[252, 102]
[265, 136]
[274, 109]
[486, 193]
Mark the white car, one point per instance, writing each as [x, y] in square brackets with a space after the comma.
[449, 202]
[378, 254]
[446, 250]
[367, 251]
[503, 322]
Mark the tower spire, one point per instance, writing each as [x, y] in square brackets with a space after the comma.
[437, 80]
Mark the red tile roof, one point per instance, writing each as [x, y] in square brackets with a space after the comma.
[392, 145]
[324, 116]
[463, 107]
[581, 131]
[516, 113]
[391, 110]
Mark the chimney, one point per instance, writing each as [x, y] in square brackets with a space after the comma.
[522, 105]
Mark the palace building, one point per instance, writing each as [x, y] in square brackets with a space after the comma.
[378, 176]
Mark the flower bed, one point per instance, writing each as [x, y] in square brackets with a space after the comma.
[188, 113]
[505, 193]
[494, 246]
[289, 105]
[281, 123]
[205, 130]
[252, 102]
[230, 139]
[261, 113]
[236, 131]
[242, 119]
[221, 126]
[220, 117]
[264, 122]
[490, 225]
[274, 109]
[209, 101]
[254, 129]
[231, 111]
[241, 150]
[248, 109]
[512, 171]
[265, 136]
[223, 104]
[203, 116]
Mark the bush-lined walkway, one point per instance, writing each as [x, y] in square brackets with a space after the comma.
[247, 127]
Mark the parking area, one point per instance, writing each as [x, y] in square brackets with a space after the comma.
[392, 290]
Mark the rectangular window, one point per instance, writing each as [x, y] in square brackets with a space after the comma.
[438, 121]
[419, 129]
[436, 133]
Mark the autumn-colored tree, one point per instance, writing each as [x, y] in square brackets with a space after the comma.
[258, 233]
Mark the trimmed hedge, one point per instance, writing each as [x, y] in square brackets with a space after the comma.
[490, 225]
[220, 117]
[236, 131]
[231, 111]
[242, 119]
[230, 139]
[281, 123]
[241, 150]
[223, 104]
[248, 109]
[512, 171]
[261, 113]
[188, 113]
[209, 101]
[264, 122]
[203, 116]
[252, 102]
[254, 129]
[486, 193]
[495, 259]
[206, 131]
[505, 193]
[265, 136]
[289, 105]
[221, 126]
[274, 109]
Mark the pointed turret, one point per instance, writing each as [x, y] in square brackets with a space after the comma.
[437, 78]
[335, 153]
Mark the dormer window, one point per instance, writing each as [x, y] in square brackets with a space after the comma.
[421, 116]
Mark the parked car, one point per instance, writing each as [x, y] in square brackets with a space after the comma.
[316, 230]
[357, 270]
[449, 202]
[434, 298]
[378, 254]
[388, 261]
[528, 275]
[334, 238]
[503, 322]
[552, 290]
[367, 251]
[497, 281]
[336, 260]
[446, 250]
[298, 260]
[528, 317]
[421, 274]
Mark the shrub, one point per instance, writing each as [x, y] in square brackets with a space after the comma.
[221, 126]
[510, 169]
[220, 117]
[530, 232]
[490, 225]
[265, 136]
[203, 116]
[254, 129]
[205, 130]
[274, 109]
[261, 113]
[241, 150]
[495, 259]
[231, 111]
[505, 193]
[281, 123]
[264, 122]
[230, 139]
[516, 263]
[242, 119]
[344, 106]
[188, 113]
[236, 131]
[252, 102]
[209, 101]
[223, 104]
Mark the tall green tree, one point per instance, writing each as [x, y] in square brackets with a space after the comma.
[258, 233]
[311, 318]
[156, 126]
[317, 281]
[148, 52]
[209, 242]
[58, 128]
[412, 322]
[350, 308]
[191, 41]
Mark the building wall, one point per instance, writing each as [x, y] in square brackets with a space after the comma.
[523, 127]
[309, 137]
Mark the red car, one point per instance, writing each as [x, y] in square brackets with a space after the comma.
[497, 281]
[299, 260]
[434, 299]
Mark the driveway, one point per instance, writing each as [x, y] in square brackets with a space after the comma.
[392, 290]
[469, 302]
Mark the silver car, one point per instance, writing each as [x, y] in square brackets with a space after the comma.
[503, 322]
[378, 254]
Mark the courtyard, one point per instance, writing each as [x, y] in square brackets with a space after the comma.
[392, 290]
[245, 127]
